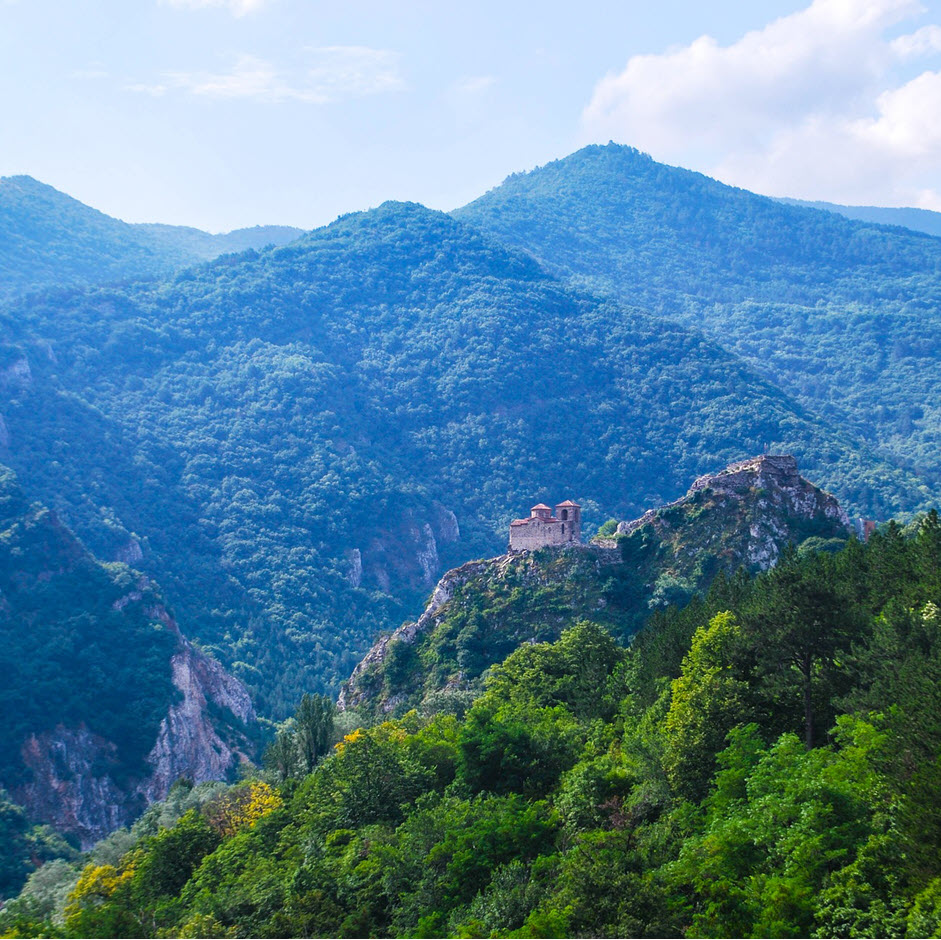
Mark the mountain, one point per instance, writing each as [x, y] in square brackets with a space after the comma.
[105, 702]
[843, 315]
[50, 239]
[741, 517]
[918, 220]
[296, 443]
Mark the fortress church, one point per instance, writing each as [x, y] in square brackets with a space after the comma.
[542, 528]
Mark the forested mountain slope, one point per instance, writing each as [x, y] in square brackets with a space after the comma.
[843, 314]
[296, 443]
[919, 220]
[49, 239]
[105, 703]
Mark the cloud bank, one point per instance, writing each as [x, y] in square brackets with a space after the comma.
[823, 104]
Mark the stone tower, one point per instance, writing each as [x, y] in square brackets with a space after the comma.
[569, 515]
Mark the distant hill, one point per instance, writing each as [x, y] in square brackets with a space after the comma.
[841, 314]
[49, 239]
[296, 443]
[205, 246]
[744, 516]
[919, 220]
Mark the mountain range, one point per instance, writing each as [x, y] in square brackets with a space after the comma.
[842, 315]
[919, 220]
[291, 442]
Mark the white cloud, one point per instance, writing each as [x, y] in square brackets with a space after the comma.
[474, 85]
[354, 71]
[236, 7]
[332, 73]
[814, 105]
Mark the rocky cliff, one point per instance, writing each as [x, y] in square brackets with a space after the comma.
[106, 704]
[78, 780]
[744, 515]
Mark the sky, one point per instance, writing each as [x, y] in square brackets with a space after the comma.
[228, 113]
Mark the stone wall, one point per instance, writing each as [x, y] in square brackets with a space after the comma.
[538, 533]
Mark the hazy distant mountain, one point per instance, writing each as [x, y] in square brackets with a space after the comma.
[842, 314]
[49, 239]
[297, 443]
[919, 220]
[206, 246]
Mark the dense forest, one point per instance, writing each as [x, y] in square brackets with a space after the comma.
[762, 762]
[76, 651]
[841, 314]
[281, 450]
[296, 443]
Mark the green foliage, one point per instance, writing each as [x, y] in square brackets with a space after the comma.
[303, 742]
[24, 847]
[82, 644]
[551, 811]
[840, 314]
[707, 702]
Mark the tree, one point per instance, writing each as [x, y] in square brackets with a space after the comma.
[798, 622]
[708, 700]
[314, 729]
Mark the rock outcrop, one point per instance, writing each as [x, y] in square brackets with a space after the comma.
[79, 782]
[761, 504]
[189, 743]
[744, 515]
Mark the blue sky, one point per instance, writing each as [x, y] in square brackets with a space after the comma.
[224, 113]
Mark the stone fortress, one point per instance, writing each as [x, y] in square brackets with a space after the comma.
[542, 528]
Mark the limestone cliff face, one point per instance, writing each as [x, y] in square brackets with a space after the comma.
[744, 515]
[106, 703]
[189, 743]
[79, 782]
[405, 551]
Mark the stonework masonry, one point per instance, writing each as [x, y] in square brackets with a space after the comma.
[543, 528]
